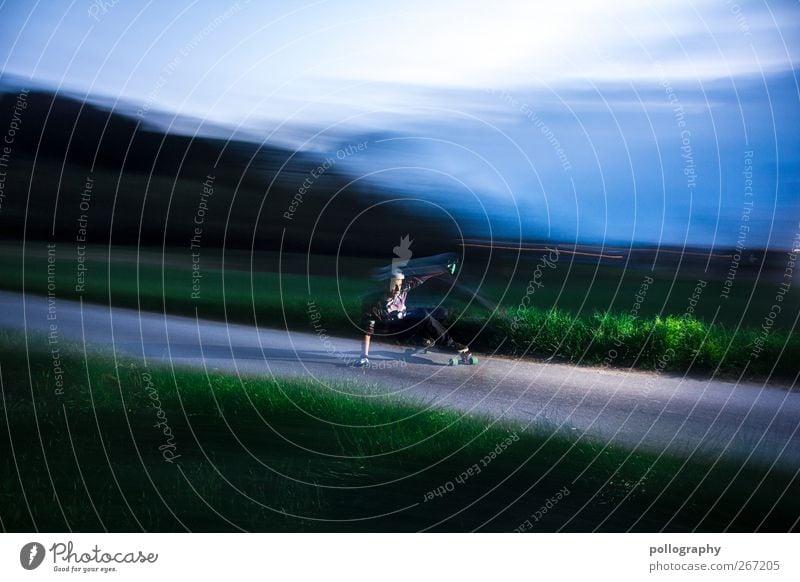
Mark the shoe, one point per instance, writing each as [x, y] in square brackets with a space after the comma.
[362, 363]
[428, 343]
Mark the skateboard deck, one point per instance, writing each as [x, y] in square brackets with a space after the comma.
[458, 360]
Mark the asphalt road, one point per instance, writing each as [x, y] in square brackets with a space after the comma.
[656, 412]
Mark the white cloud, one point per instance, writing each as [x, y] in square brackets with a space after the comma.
[522, 43]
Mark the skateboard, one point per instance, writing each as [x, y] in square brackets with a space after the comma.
[464, 358]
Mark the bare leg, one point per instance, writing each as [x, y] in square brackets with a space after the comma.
[365, 349]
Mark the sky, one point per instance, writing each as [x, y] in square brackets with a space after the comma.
[565, 119]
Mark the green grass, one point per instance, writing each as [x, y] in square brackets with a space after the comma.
[154, 281]
[291, 455]
[671, 344]
[589, 325]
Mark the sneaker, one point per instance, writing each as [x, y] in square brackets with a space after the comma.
[362, 363]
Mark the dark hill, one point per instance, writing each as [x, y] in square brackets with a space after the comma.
[147, 187]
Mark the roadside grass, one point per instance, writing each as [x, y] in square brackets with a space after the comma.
[262, 291]
[293, 455]
[669, 344]
[163, 283]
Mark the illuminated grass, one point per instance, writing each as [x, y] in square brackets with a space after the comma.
[672, 343]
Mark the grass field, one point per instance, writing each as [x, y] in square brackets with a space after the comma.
[580, 314]
[117, 446]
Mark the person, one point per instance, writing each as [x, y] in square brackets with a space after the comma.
[391, 313]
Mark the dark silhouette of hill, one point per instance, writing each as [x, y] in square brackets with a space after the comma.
[77, 168]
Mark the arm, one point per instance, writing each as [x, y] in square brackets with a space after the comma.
[412, 282]
[380, 310]
[416, 281]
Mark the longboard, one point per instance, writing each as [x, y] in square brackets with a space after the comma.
[465, 360]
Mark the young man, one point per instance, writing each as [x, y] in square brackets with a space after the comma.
[391, 314]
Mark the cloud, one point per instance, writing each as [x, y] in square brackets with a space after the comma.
[474, 43]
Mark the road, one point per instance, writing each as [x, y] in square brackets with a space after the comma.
[654, 412]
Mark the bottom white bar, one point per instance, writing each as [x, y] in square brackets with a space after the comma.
[400, 557]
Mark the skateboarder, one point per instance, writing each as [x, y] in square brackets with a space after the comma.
[391, 314]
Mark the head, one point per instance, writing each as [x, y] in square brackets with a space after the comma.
[396, 282]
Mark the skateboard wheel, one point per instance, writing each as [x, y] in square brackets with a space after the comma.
[473, 360]
[454, 361]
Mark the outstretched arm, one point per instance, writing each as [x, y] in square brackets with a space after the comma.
[418, 280]
[411, 282]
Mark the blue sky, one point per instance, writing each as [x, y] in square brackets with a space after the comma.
[458, 98]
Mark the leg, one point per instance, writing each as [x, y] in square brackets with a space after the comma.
[436, 330]
[439, 331]
[369, 329]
